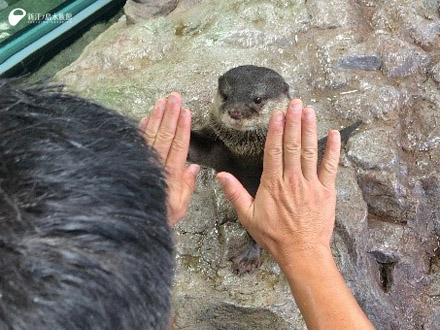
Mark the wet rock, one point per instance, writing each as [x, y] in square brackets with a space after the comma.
[140, 10]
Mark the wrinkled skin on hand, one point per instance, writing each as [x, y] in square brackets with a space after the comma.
[167, 130]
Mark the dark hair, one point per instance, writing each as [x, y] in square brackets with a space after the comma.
[84, 240]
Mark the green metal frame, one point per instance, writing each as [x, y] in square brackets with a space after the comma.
[15, 49]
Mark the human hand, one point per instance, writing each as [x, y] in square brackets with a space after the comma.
[294, 209]
[167, 129]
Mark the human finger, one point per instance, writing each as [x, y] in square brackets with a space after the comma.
[330, 161]
[186, 189]
[167, 128]
[154, 120]
[143, 124]
[273, 149]
[179, 147]
[237, 195]
[309, 144]
[292, 137]
[189, 178]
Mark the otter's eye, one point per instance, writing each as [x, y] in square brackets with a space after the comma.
[258, 100]
[224, 96]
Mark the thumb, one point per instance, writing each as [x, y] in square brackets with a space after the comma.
[189, 179]
[236, 194]
[190, 176]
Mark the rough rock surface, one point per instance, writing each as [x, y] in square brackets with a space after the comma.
[350, 59]
[138, 10]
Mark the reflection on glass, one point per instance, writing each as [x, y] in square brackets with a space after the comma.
[36, 12]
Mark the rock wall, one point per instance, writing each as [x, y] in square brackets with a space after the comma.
[378, 61]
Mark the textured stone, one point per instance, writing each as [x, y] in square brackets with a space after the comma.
[360, 62]
[334, 14]
[332, 50]
[350, 247]
[386, 241]
[435, 71]
[418, 20]
[140, 10]
[400, 59]
[431, 186]
[385, 194]
[432, 322]
[421, 125]
[368, 100]
[207, 295]
[378, 141]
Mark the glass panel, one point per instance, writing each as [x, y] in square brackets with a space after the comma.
[35, 12]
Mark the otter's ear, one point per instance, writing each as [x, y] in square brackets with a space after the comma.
[221, 81]
[224, 86]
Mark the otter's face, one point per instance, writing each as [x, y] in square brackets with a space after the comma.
[247, 96]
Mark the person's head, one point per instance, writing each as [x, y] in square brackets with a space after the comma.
[84, 240]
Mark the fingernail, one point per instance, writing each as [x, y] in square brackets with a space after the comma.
[173, 98]
[309, 113]
[297, 107]
[334, 135]
[184, 113]
[160, 105]
[222, 179]
[279, 116]
[195, 169]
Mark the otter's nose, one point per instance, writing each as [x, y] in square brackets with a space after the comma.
[235, 114]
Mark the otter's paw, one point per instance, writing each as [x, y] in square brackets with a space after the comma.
[247, 261]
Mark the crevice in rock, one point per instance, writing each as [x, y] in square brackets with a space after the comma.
[382, 218]
[386, 264]
[434, 262]
[386, 275]
[386, 198]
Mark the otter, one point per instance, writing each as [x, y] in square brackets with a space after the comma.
[234, 135]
